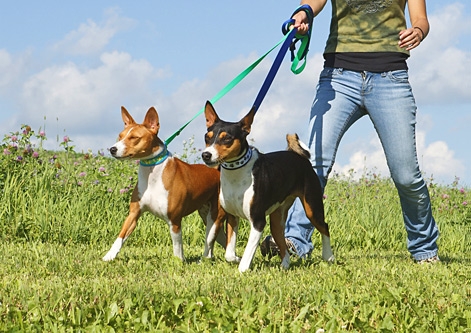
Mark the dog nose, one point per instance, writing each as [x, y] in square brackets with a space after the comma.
[206, 156]
[113, 150]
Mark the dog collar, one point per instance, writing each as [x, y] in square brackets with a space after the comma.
[238, 163]
[157, 159]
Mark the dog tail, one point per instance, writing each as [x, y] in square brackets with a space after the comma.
[297, 146]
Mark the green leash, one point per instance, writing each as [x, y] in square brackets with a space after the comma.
[295, 68]
[225, 90]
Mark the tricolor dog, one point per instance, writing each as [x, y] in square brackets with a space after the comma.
[254, 185]
[167, 187]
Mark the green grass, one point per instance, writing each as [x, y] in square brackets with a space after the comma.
[59, 215]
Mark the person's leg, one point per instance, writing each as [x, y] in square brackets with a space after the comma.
[392, 109]
[336, 107]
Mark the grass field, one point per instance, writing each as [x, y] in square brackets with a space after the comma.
[61, 211]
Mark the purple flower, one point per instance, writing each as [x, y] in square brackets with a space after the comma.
[465, 203]
[82, 174]
[101, 169]
[79, 183]
[462, 191]
[66, 139]
[42, 133]
[35, 154]
[14, 138]
[122, 191]
[19, 158]
[96, 182]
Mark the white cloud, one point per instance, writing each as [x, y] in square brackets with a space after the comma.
[84, 100]
[92, 37]
[437, 66]
[435, 159]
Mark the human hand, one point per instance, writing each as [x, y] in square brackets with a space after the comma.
[410, 38]
[301, 22]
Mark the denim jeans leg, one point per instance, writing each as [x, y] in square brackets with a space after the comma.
[329, 120]
[392, 109]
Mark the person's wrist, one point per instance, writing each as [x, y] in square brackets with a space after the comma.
[422, 33]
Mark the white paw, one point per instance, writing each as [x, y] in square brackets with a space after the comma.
[109, 256]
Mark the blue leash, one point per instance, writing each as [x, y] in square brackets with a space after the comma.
[290, 42]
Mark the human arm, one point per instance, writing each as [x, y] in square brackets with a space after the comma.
[301, 21]
[411, 38]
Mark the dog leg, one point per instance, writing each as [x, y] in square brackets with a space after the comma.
[277, 229]
[249, 252]
[327, 253]
[177, 241]
[128, 227]
[232, 229]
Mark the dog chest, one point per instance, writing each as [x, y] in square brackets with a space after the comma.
[153, 196]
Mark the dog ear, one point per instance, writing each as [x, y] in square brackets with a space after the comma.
[127, 119]
[151, 121]
[210, 114]
[246, 122]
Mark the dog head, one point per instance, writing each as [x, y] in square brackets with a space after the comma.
[138, 141]
[224, 140]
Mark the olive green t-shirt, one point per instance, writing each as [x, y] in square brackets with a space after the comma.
[366, 26]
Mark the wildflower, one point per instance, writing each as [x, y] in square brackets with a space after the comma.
[26, 130]
[82, 174]
[42, 134]
[199, 303]
[462, 191]
[19, 158]
[6, 152]
[96, 182]
[445, 196]
[35, 154]
[79, 183]
[122, 191]
[110, 190]
[101, 153]
[465, 203]
[66, 139]
[14, 138]
[101, 169]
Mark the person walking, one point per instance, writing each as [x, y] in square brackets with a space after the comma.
[365, 74]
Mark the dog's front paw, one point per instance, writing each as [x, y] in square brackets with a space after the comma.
[109, 256]
[233, 259]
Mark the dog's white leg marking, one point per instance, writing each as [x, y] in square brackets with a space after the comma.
[327, 253]
[286, 261]
[177, 243]
[210, 237]
[115, 248]
[231, 246]
[249, 252]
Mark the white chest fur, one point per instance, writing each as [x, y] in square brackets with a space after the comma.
[237, 189]
[152, 193]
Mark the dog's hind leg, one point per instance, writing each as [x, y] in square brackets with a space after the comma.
[128, 227]
[315, 214]
[213, 219]
[277, 229]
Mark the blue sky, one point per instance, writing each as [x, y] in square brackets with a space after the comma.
[69, 66]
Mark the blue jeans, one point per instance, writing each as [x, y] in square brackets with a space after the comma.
[342, 98]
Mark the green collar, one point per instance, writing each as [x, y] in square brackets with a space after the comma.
[157, 159]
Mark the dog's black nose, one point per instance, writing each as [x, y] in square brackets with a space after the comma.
[113, 150]
[206, 156]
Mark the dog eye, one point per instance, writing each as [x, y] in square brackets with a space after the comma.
[227, 139]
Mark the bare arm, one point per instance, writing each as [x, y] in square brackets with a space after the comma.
[301, 21]
[413, 36]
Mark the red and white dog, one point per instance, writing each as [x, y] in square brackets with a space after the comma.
[254, 185]
[168, 187]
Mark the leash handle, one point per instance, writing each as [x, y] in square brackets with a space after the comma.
[304, 39]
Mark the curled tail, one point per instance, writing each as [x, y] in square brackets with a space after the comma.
[297, 146]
